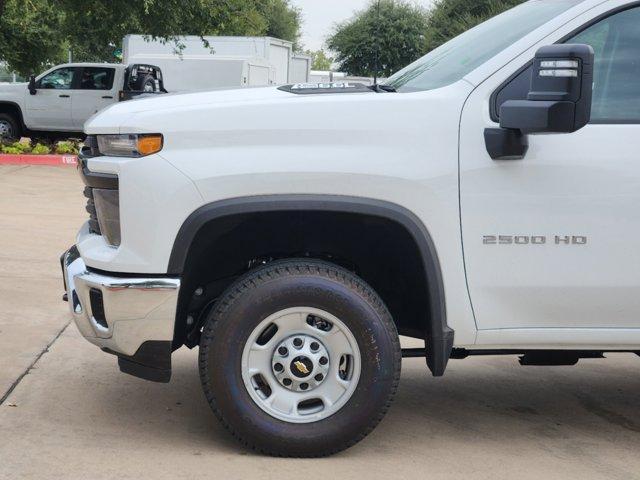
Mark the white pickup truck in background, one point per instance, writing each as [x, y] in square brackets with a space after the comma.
[59, 101]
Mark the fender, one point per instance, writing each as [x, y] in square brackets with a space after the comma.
[439, 336]
[17, 108]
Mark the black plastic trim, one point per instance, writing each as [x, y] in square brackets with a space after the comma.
[107, 181]
[505, 143]
[439, 337]
[151, 362]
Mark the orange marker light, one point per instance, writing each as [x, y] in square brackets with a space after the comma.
[148, 144]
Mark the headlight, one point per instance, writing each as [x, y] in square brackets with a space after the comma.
[130, 145]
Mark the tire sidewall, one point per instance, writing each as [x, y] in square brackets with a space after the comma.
[14, 126]
[368, 320]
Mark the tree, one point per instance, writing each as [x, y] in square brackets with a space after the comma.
[283, 20]
[450, 18]
[395, 32]
[29, 35]
[319, 60]
[95, 27]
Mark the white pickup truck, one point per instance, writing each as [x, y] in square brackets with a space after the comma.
[59, 101]
[485, 199]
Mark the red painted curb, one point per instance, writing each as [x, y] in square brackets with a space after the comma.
[6, 159]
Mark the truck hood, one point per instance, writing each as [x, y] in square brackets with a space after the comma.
[12, 88]
[120, 113]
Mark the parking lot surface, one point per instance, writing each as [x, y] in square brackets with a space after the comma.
[67, 411]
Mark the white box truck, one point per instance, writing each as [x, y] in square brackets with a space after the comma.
[300, 68]
[218, 62]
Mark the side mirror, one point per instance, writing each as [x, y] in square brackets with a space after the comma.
[559, 100]
[32, 85]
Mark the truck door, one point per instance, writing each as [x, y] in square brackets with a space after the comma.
[50, 107]
[96, 90]
[550, 240]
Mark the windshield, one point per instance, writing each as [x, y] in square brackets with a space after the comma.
[453, 60]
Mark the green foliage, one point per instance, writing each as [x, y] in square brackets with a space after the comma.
[29, 35]
[282, 19]
[37, 33]
[15, 148]
[450, 18]
[10, 150]
[397, 34]
[68, 147]
[41, 149]
[320, 60]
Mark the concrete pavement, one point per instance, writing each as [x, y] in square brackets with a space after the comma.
[40, 211]
[75, 416]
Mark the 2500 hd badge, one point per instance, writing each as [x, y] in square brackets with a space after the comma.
[534, 240]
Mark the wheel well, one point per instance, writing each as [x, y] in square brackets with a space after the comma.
[12, 109]
[386, 246]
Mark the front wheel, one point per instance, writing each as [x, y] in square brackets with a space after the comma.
[9, 127]
[300, 358]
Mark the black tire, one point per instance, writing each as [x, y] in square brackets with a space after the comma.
[143, 82]
[13, 124]
[286, 284]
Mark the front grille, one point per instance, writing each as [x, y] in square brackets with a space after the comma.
[94, 225]
[93, 181]
[90, 148]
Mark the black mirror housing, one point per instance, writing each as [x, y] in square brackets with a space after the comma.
[560, 96]
[32, 85]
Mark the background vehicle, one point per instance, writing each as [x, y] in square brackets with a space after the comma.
[59, 101]
[221, 62]
[483, 200]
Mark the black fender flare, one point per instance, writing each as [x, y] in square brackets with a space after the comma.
[18, 109]
[439, 336]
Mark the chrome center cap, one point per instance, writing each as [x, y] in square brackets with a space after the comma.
[300, 363]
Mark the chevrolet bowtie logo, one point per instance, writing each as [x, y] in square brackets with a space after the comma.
[302, 368]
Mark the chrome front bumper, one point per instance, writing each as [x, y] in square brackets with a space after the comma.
[131, 311]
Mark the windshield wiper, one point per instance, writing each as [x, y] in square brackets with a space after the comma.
[383, 88]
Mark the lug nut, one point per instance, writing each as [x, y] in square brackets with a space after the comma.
[283, 351]
[314, 346]
[319, 377]
[297, 342]
[304, 386]
[286, 382]
[278, 367]
[324, 360]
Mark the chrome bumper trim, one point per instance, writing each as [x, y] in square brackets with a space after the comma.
[137, 310]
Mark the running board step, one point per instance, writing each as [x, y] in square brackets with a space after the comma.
[555, 358]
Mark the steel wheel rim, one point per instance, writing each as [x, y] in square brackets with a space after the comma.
[293, 402]
[6, 129]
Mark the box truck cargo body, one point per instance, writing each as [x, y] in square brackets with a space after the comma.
[300, 68]
[217, 62]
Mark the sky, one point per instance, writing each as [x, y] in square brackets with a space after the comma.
[319, 16]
